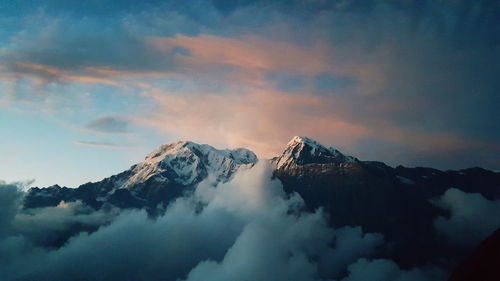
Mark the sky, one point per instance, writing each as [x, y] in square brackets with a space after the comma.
[88, 88]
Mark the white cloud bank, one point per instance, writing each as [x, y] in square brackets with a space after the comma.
[247, 229]
[472, 216]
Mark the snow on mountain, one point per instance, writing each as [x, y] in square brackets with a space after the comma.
[303, 150]
[187, 163]
[165, 174]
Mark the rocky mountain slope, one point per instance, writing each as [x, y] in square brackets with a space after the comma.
[165, 174]
[483, 264]
[393, 201]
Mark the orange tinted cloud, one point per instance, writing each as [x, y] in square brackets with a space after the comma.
[249, 52]
[263, 120]
[251, 58]
[258, 116]
[44, 73]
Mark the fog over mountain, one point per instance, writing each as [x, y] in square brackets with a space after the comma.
[193, 212]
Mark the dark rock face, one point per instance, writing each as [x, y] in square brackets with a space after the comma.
[48, 196]
[483, 264]
[393, 201]
[88, 193]
[146, 194]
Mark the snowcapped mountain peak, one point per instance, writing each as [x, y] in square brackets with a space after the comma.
[300, 140]
[188, 163]
[302, 150]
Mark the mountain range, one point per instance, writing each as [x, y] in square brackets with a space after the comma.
[399, 202]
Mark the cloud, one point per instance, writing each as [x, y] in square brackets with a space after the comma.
[253, 55]
[109, 124]
[218, 232]
[261, 120]
[99, 144]
[350, 244]
[394, 81]
[387, 270]
[52, 226]
[44, 74]
[472, 217]
[10, 198]
[302, 250]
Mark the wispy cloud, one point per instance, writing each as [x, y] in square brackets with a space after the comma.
[101, 144]
[108, 124]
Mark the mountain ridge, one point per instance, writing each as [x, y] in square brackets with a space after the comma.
[165, 174]
[174, 168]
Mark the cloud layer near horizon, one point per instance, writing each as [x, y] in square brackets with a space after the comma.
[411, 82]
[471, 218]
[245, 229]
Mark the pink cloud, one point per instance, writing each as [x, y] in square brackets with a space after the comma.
[265, 119]
[43, 74]
[252, 112]
[249, 52]
[252, 57]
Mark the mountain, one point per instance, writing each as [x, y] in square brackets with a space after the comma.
[165, 174]
[302, 150]
[394, 201]
[483, 264]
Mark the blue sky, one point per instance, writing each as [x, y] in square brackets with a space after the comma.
[88, 88]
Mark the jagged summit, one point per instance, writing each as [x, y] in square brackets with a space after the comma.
[302, 150]
[302, 139]
[186, 163]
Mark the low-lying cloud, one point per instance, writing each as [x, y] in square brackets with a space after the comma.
[51, 226]
[471, 218]
[10, 197]
[246, 229]
[387, 270]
